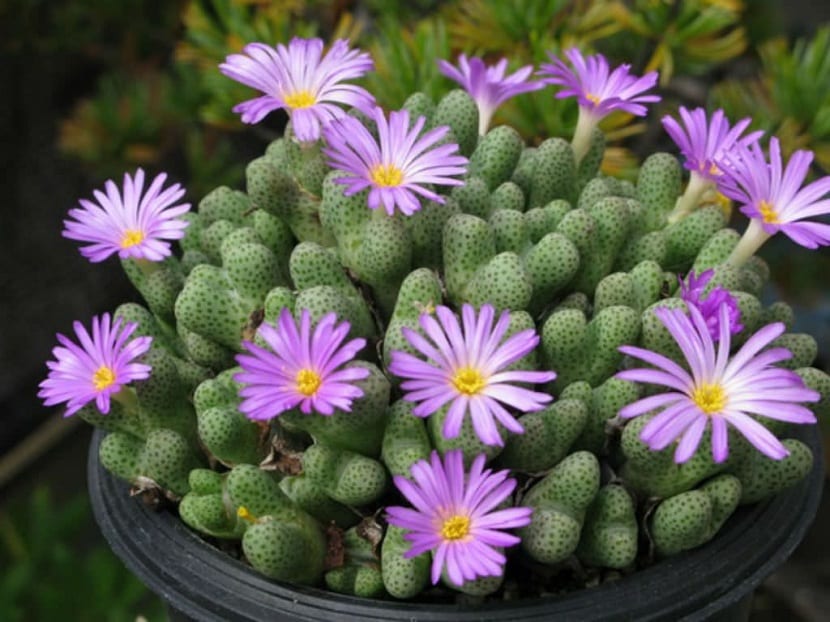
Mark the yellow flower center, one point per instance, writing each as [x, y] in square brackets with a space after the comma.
[455, 528]
[103, 378]
[386, 175]
[131, 238]
[308, 381]
[592, 98]
[724, 203]
[468, 381]
[710, 398]
[714, 170]
[243, 513]
[768, 213]
[299, 99]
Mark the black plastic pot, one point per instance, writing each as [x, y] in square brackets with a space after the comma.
[200, 582]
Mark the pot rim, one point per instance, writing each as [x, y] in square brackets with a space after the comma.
[204, 583]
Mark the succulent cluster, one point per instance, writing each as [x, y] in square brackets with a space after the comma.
[416, 350]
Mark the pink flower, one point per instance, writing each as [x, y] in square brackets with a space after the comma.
[774, 194]
[133, 225]
[454, 516]
[465, 368]
[488, 86]
[97, 368]
[598, 89]
[300, 368]
[704, 143]
[302, 80]
[720, 391]
[691, 292]
[397, 167]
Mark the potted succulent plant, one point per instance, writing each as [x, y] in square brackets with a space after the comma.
[421, 362]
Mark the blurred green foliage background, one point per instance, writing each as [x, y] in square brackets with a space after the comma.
[160, 98]
[51, 573]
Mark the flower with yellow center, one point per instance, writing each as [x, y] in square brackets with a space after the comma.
[705, 143]
[774, 195]
[465, 371]
[310, 85]
[98, 368]
[591, 80]
[300, 368]
[399, 167]
[598, 90]
[453, 516]
[489, 86]
[717, 392]
[129, 222]
[706, 140]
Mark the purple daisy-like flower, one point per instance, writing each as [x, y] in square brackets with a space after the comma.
[398, 166]
[704, 145]
[488, 86]
[720, 390]
[692, 292]
[454, 516]
[98, 368]
[299, 78]
[465, 368]
[598, 90]
[703, 142]
[775, 198]
[300, 368]
[135, 225]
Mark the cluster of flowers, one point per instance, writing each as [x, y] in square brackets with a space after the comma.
[463, 364]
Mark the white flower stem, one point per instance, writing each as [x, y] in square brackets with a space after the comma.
[752, 239]
[581, 141]
[485, 115]
[690, 199]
